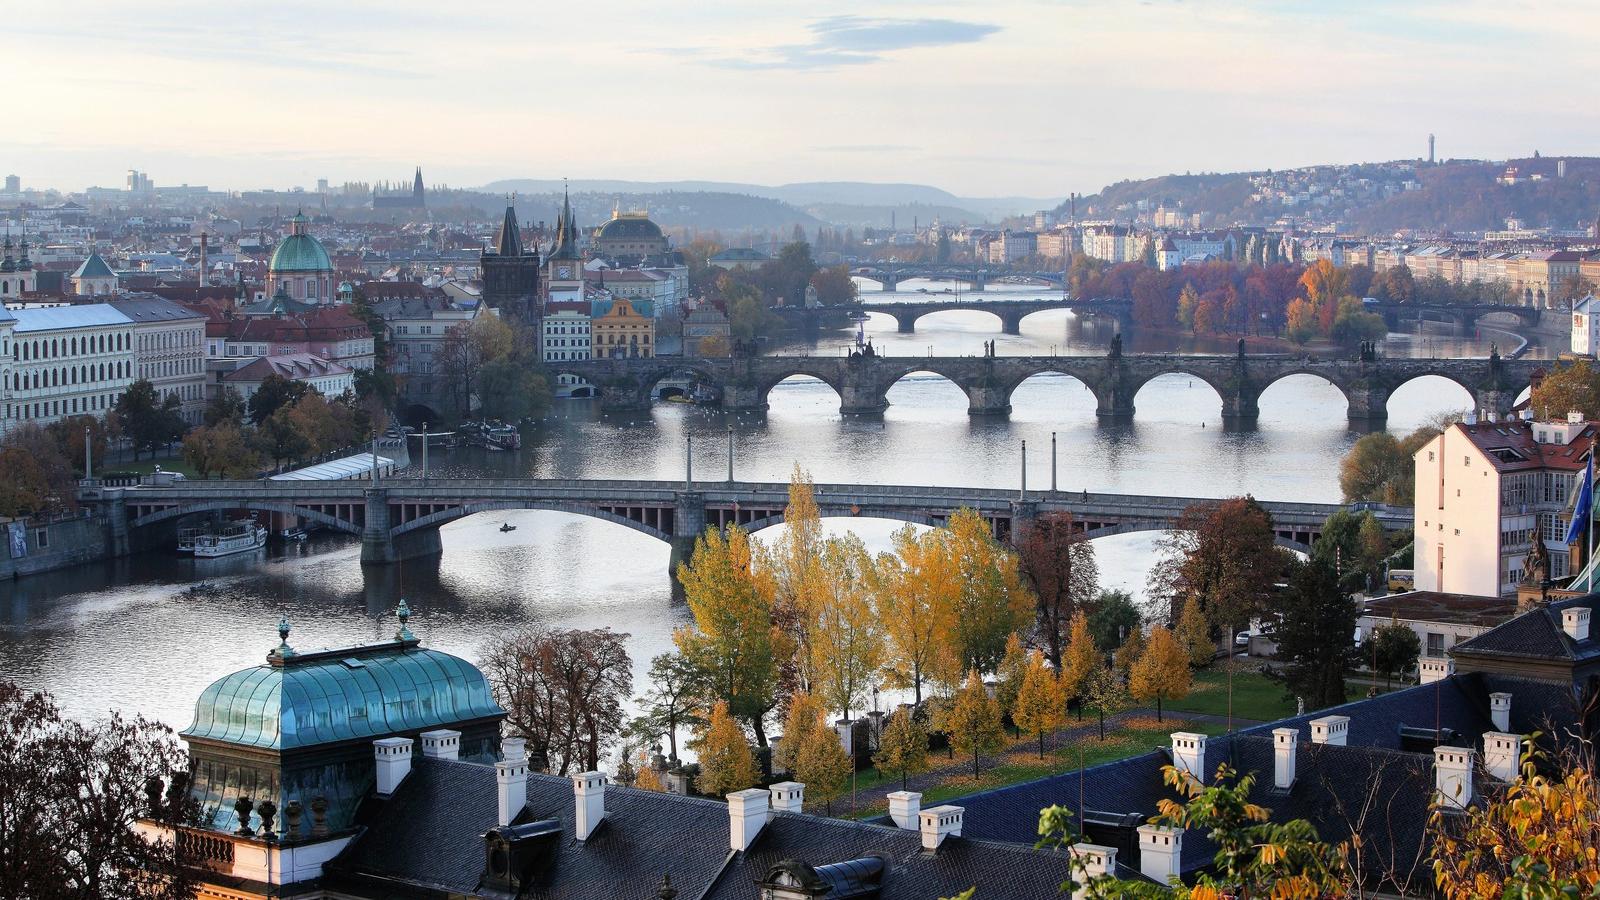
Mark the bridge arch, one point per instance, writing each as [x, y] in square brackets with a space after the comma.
[462, 511]
[1016, 384]
[1280, 377]
[1414, 384]
[941, 382]
[1137, 384]
[310, 515]
[1132, 526]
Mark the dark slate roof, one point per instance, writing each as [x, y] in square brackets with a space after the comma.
[1537, 634]
[428, 836]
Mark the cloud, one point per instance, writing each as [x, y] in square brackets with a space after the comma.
[865, 148]
[857, 40]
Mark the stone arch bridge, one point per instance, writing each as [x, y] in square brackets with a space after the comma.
[906, 313]
[400, 518]
[863, 382]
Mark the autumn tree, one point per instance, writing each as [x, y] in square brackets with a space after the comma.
[915, 587]
[1194, 635]
[1082, 657]
[1058, 561]
[279, 439]
[726, 763]
[224, 406]
[1395, 649]
[70, 795]
[834, 285]
[1380, 467]
[1040, 705]
[991, 600]
[1162, 671]
[26, 488]
[274, 393]
[1129, 652]
[1104, 692]
[733, 646]
[1316, 623]
[562, 690]
[971, 719]
[670, 702]
[796, 570]
[220, 448]
[1009, 673]
[1573, 386]
[805, 714]
[903, 746]
[846, 642]
[1222, 554]
[821, 764]
[647, 778]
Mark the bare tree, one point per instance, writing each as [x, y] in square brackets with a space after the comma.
[562, 691]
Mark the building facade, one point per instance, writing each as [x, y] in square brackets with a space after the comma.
[301, 268]
[622, 329]
[1586, 326]
[629, 236]
[17, 276]
[69, 361]
[169, 346]
[511, 273]
[329, 378]
[93, 278]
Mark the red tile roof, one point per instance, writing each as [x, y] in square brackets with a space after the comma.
[1511, 448]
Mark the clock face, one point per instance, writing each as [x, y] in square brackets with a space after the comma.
[564, 272]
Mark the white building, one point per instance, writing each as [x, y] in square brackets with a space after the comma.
[8, 324]
[93, 278]
[68, 361]
[17, 276]
[1485, 492]
[1586, 326]
[169, 350]
[565, 336]
[329, 378]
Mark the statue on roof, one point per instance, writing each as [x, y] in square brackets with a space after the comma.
[1536, 563]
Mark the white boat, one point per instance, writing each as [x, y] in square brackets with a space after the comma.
[187, 537]
[235, 537]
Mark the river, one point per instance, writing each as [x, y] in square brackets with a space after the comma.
[145, 635]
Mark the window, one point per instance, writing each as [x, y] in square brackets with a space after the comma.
[1435, 644]
[41, 538]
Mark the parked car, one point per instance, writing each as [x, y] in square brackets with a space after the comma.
[1242, 639]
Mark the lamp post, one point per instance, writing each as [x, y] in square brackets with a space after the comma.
[688, 462]
[1022, 490]
[424, 452]
[88, 455]
[1052, 462]
[730, 454]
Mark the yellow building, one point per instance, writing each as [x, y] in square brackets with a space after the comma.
[622, 328]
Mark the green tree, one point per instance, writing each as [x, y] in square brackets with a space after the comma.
[726, 763]
[1395, 649]
[1115, 617]
[225, 406]
[903, 746]
[669, 704]
[1379, 467]
[1355, 545]
[971, 719]
[274, 393]
[148, 420]
[1316, 623]
[512, 390]
[1161, 672]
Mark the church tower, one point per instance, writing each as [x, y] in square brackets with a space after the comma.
[564, 272]
[511, 275]
[416, 188]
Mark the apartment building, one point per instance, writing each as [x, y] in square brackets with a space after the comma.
[68, 361]
[169, 351]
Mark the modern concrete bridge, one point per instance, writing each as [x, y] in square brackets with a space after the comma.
[1009, 312]
[863, 382]
[400, 518]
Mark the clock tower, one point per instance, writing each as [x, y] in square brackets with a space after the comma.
[564, 266]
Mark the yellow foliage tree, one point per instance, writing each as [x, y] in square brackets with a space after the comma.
[1194, 632]
[991, 600]
[1162, 672]
[1009, 674]
[1081, 658]
[1129, 653]
[647, 779]
[726, 763]
[822, 765]
[903, 746]
[1040, 704]
[846, 642]
[805, 715]
[915, 588]
[796, 574]
[972, 720]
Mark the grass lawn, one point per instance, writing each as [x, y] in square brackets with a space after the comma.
[1254, 696]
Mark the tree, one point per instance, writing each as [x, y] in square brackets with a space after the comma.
[562, 691]
[1316, 625]
[1188, 303]
[733, 646]
[1162, 672]
[1395, 649]
[148, 420]
[822, 765]
[466, 349]
[1115, 617]
[797, 577]
[915, 589]
[1194, 634]
[805, 715]
[1566, 388]
[903, 746]
[220, 448]
[225, 406]
[726, 763]
[26, 488]
[70, 435]
[834, 285]
[1058, 561]
[1538, 839]
[512, 390]
[1353, 544]
[1103, 691]
[1225, 555]
[1082, 657]
[1009, 674]
[1130, 651]
[70, 795]
[274, 393]
[972, 720]
[1302, 321]
[1353, 324]
[647, 779]
[1040, 705]
[846, 646]
[1379, 467]
[670, 702]
[991, 600]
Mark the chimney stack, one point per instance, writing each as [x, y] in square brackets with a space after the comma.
[747, 813]
[1284, 746]
[1436, 668]
[1189, 754]
[788, 796]
[903, 809]
[1575, 622]
[393, 757]
[1330, 730]
[1452, 777]
[511, 778]
[938, 823]
[590, 790]
[1160, 853]
[441, 744]
[1097, 860]
[1502, 755]
[202, 259]
[1500, 710]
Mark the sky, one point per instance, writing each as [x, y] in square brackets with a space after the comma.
[1005, 97]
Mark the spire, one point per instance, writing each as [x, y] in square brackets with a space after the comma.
[510, 240]
[416, 186]
[9, 264]
[24, 264]
[566, 230]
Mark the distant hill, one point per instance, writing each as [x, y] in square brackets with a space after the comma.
[697, 209]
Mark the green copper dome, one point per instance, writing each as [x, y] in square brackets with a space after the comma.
[359, 693]
[301, 253]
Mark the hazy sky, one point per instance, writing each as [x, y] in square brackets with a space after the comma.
[981, 98]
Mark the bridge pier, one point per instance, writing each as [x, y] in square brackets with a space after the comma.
[1023, 514]
[688, 523]
[988, 401]
[379, 546]
[890, 282]
[1369, 408]
[905, 323]
[743, 398]
[1240, 412]
[859, 393]
[980, 282]
[1011, 324]
[1113, 402]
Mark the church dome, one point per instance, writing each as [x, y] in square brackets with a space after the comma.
[300, 251]
[629, 227]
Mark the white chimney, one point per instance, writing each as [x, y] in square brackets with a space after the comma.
[1160, 853]
[938, 823]
[589, 789]
[903, 809]
[1471, 418]
[1452, 776]
[1575, 622]
[393, 756]
[1330, 730]
[1189, 754]
[1097, 861]
[1502, 755]
[511, 779]
[747, 813]
[788, 797]
[1500, 710]
[1284, 744]
[1574, 417]
[441, 744]
[1434, 668]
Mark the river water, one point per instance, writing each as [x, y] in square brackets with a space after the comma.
[146, 634]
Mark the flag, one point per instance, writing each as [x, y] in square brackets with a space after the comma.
[1583, 508]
